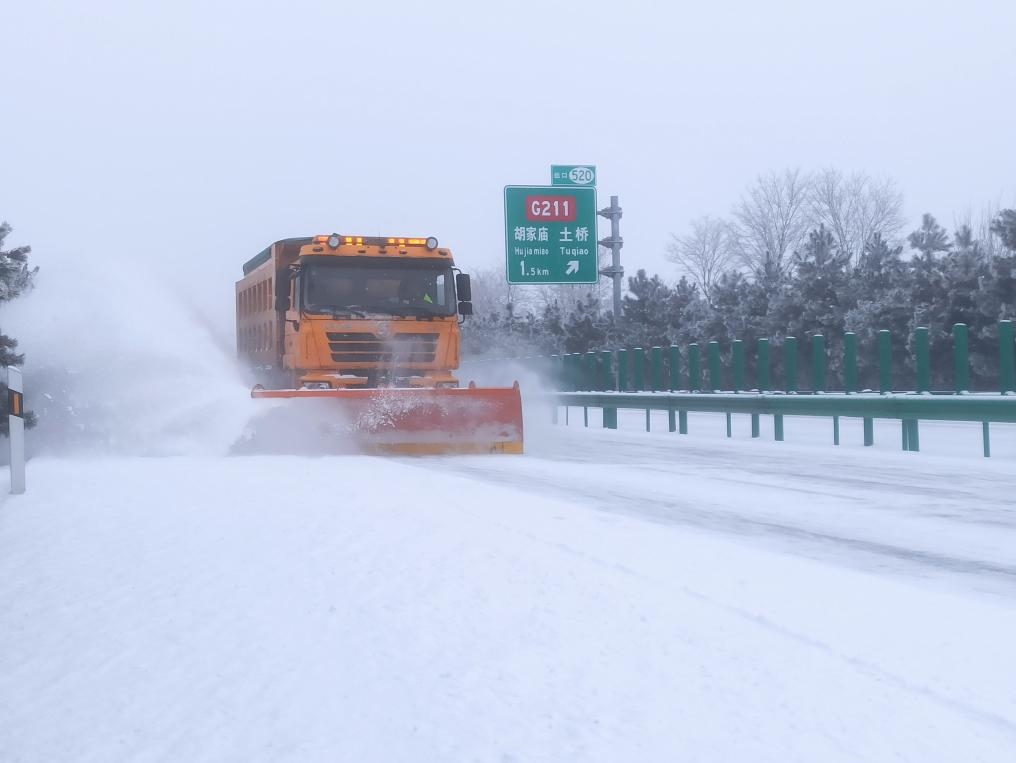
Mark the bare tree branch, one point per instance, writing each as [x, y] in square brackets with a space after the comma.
[771, 221]
[855, 208]
[704, 254]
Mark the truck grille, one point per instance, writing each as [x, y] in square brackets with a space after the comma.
[370, 348]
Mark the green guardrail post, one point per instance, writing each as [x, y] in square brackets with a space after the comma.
[656, 364]
[737, 363]
[790, 363]
[961, 356]
[986, 436]
[836, 430]
[789, 380]
[675, 368]
[922, 358]
[694, 368]
[682, 422]
[850, 362]
[818, 363]
[674, 377]
[622, 370]
[715, 382]
[609, 414]
[656, 368]
[638, 370]
[555, 379]
[591, 380]
[911, 435]
[607, 371]
[885, 361]
[1006, 371]
[869, 432]
[762, 370]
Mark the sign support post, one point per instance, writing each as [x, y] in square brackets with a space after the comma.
[614, 242]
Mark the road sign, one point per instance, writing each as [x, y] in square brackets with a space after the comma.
[572, 174]
[550, 234]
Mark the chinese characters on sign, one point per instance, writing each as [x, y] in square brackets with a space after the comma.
[573, 174]
[550, 234]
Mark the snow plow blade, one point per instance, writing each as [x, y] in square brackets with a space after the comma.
[418, 420]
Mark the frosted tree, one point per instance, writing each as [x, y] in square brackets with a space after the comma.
[855, 208]
[1004, 226]
[771, 221]
[704, 253]
[15, 278]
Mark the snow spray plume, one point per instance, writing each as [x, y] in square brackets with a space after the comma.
[117, 361]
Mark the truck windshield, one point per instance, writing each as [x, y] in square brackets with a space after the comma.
[387, 287]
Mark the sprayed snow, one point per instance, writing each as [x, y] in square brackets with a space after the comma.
[119, 361]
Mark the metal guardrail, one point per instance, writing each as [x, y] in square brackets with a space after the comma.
[909, 409]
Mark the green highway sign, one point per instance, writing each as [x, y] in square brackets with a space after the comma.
[550, 234]
[572, 174]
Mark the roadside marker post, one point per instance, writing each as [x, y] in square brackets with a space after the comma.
[16, 428]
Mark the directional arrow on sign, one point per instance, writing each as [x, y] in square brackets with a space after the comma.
[573, 267]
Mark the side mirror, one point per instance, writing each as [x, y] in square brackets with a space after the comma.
[465, 308]
[282, 282]
[463, 289]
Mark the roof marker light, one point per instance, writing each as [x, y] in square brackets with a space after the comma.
[432, 243]
[334, 240]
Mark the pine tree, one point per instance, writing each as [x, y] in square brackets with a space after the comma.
[880, 286]
[930, 238]
[647, 311]
[1004, 226]
[585, 326]
[15, 278]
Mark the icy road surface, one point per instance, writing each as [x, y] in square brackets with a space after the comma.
[608, 597]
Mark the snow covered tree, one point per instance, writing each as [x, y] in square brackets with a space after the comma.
[1004, 226]
[855, 208]
[771, 221]
[930, 238]
[585, 327]
[15, 278]
[880, 299]
[705, 253]
[649, 310]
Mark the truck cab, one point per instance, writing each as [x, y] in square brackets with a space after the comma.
[336, 312]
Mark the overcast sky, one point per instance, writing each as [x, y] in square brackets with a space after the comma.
[195, 133]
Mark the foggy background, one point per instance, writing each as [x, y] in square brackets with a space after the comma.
[186, 136]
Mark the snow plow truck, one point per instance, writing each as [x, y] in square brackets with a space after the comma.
[368, 328]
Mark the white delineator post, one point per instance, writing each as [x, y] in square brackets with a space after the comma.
[16, 428]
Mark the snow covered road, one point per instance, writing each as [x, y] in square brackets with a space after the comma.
[608, 597]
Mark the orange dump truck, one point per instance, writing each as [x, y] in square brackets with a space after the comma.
[371, 324]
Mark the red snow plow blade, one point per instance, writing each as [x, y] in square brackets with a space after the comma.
[420, 420]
